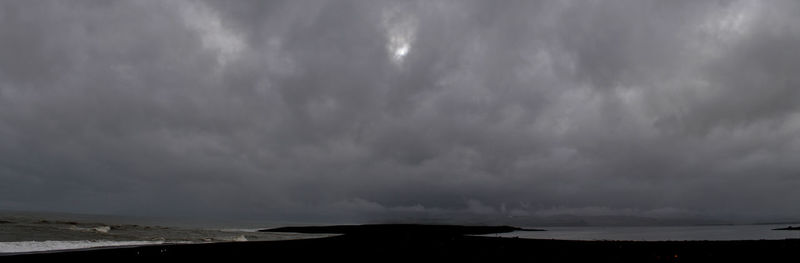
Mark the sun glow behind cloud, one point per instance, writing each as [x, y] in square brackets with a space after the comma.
[400, 33]
[401, 50]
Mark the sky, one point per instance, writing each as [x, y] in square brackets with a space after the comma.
[354, 110]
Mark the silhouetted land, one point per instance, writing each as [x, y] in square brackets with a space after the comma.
[789, 228]
[410, 243]
[401, 229]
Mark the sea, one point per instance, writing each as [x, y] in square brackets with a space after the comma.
[27, 232]
[24, 232]
[660, 233]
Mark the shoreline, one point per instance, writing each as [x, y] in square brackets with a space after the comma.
[426, 243]
[464, 248]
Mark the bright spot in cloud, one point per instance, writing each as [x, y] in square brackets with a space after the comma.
[400, 50]
[400, 33]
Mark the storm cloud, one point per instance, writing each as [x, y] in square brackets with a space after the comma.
[351, 109]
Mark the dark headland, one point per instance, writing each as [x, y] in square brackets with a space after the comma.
[788, 228]
[413, 243]
[401, 229]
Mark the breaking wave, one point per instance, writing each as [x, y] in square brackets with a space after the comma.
[99, 229]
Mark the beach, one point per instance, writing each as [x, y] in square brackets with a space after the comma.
[449, 246]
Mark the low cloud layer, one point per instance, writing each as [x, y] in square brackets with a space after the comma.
[348, 109]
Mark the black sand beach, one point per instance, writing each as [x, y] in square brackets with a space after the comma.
[443, 243]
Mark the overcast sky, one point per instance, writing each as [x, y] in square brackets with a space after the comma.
[346, 109]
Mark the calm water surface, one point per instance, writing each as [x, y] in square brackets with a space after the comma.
[660, 233]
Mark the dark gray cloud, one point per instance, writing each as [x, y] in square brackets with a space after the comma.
[355, 109]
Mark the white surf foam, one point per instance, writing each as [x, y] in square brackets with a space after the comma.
[99, 229]
[102, 229]
[34, 246]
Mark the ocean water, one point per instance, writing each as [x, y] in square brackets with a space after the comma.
[21, 232]
[660, 233]
[28, 232]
